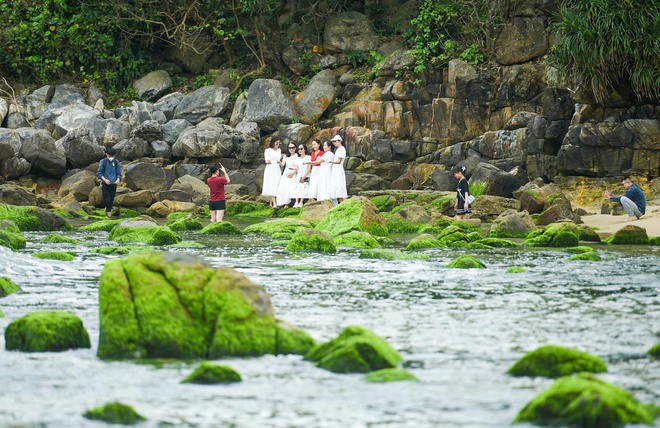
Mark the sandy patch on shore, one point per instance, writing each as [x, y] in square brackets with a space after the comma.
[608, 224]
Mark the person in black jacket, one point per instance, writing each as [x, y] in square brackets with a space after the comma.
[110, 174]
[462, 205]
[633, 201]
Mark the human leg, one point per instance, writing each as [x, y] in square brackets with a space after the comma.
[214, 216]
[109, 191]
[630, 207]
[220, 214]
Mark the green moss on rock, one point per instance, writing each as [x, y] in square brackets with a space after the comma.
[30, 218]
[391, 375]
[654, 351]
[311, 240]
[248, 209]
[466, 262]
[591, 256]
[555, 361]
[124, 213]
[56, 238]
[65, 256]
[453, 236]
[654, 240]
[115, 413]
[46, 332]
[355, 350]
[212, 374]
[629, 235]
[355, 239]
[384, 203]
[7, 287]
[497, 243]
[423, 242]
[585, 401]
[462, 225]
[516, 269]
[554, 235]
[357, 213]
[221, 228]
[13, 241]
[118, 251]
[585, 233]
[187, 244]
[289, 212]
[400, 225]
[287, 225]
[185, 224]
[390, 254]
[178, 215]
[101, 225]
[150, 235]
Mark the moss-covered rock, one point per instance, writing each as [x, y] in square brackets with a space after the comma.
[453, 236]
[290, 225]
[355, 239]
[355, 350]
[175, 305]
[496, 243]
[289, 212]
[185, 224]
[311, 240]
[654, 351]
[12, 240]
[65, 256]
[587, 234]
[399, 225]
[391, 375]
[466, 262]
[423, 242]
[384, 203]
[629, 235]
[151, 235]
[654, 240]
[121, 214]
[178, 215]
[554, 235]
[46, 332]
[283, 236]
[248, 209]
[585, 401]
[580, 249]
[9, 226]
[113, 251]
[115, 413]
[29, 218]
[187, 244]
[461, 225]
[56, 238]
[101, 225]
[221, 228]
[512, 224]
[516, 269]
[357, 213]
[7, 287]
[212, 374]
[591, 256]
[555, 361]
[390, 254]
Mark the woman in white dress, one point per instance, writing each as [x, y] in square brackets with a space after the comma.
[325, 171]
[313, 170]
[287, 186]
[272, 156]
[302, 184]
[338, 176]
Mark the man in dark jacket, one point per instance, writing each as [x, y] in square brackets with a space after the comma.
[633, 201]
[110, 174]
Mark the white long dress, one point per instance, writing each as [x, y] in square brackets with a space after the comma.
[287, 186]
[325, 172]
[338, 176]
[272, 172]
[313, 190]
[302, 189]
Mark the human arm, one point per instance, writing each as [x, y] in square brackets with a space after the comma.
[224, 172]
[118, 180]
[101, 171]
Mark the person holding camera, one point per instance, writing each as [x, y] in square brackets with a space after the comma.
[217, 203]
[633, 201]
[109, 173]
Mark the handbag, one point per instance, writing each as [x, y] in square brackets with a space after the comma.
[470, 199]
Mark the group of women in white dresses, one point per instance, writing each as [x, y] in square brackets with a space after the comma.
[319, 175]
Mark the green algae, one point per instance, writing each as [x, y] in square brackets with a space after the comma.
[391, 375]
[423, 242]
[355, 350]
[357, 213]
[454, 236]
[629, 235]
[285, 236]
[355, 239]
[311, 240]
[178, 215]
[654, 240]
[588, 234]
[185, 224]
[124, 213]
[300, 268]
[402, 226]
[462, 225]
[187, 244]
[554, 235]
[289, 212]
[498, 233]
[496, 243]
[56, 238]
[580, 249]
[391, 254]
[282, 225]
[150, 235]
[466, 262]
[101, 225]
[516, 269]
[555, 361]
[585, 401]
[591, 256]
[115, 413]
[384, 203]
[221, 228]
[65, 256]
[118, 251]
[46, 332]
[7, 287]
[247, 209]
[12, 240]
[212, 374]
[31, 218]
[654, 351]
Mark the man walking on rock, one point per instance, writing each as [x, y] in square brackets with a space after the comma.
[110, 174]
[633, 201]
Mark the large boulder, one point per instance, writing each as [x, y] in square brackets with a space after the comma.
[14, 168]
[396, 62]
[145, 232]
[172, 129]
[554, 235]
[269, 105]
[140, 198]
[10, 144]
[168, 104]
[4, 108]
[314, 212]
[154, 85]
[212, 139]
[71, 117]
[149, 130]
[13, 194]
[629, 235]
[208, 101]
[79, 185]
[512, 224]
[357, 213]
[39, 148]
[521, 39]
[317, 96]
[488, 207]
[32, 218]
[132, 148]
[167, 207]
[195, 187]
[24, 111]
[147, 176]
[81, 148]
[498, 182]
[349, 31]
[46, 332]
[160, 305]
[115, 413]
[311, 240]
[108, 132]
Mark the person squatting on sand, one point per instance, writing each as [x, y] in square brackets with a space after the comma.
[633, 201]
[217, 203]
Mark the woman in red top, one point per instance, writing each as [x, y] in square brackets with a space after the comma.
[216, 183]
[313, 170]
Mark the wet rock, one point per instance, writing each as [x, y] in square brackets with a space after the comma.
[115, 413]
[140, 198]
[81, 148]
[221, 228]
[391, 375]
[357, 213]
[269, 105]
[32, 218]
[79, 185]
[466, 262]
[349, 31]
[390, 254]
[314, 212]
[46, 332]
[10, 236]
[311, 240]
[236, 318]
[556, 361]
[7, 287]
[554, 235]
[151, 235]
[212, 374]
[512, 224]
[153, 85]
[13, 194]
[205, 102]
[355, 239]
[629, 235]
[147, 176]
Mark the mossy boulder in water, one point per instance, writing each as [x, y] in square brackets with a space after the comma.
[654, 351]
[466, 262]
[311, 240]
[357, 213]
[556, 361]
[115, 413]
[7, 287]
[175, 305]
[391, 375]
[56, 238]
[355, 239]
[390, 254]
[185, 224]
[212, 374]
[629, 235]
[12, 240]
[554, 235]
[384, 203]
[248, 209]
[65, 256]
[516, 269]
[590, 256]
[29, 218]
[46, 332]
[221, 228]
[101, 225]
[423, 242]
[455, 236]
[142, 231]
[585, 233]
[117, 251]
[585, 401]
[355, 350]
[495, 243]
[282, 225]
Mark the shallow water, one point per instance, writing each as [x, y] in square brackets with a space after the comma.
[458, 331]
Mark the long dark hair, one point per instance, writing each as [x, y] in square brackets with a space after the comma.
[329, 144]
[288, 152]
[272, 143]
[304, 148]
